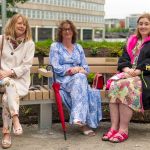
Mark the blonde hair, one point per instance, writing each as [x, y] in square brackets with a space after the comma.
[10, 27]
[145, 15]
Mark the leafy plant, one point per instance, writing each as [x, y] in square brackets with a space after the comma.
[94, 51]
[42, 47]
[113, 49]
[11, 4]
[90, 77]
[25, 110]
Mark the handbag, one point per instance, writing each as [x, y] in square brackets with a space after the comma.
[1, 49]
[98, 81]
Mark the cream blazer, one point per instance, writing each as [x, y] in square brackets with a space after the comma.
[20, 62]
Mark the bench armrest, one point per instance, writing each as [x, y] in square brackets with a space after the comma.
[45, 73]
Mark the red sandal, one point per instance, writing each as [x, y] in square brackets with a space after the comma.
[119, 137]
[109, 134]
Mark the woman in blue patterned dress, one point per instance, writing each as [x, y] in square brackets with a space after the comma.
[70, 67]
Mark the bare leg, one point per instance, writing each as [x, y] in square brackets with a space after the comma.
[114, 115]
[125, 117]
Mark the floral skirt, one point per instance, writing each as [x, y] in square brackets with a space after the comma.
[127, 91]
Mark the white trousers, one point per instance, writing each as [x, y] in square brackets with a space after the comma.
[10, 103]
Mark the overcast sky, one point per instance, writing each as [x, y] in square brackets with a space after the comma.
[122, 8]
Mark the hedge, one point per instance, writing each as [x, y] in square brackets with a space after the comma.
[90, 47]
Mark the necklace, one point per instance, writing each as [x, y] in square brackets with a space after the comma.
[136, 53]
[137, 47]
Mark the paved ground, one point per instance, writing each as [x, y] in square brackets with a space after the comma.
[32, 139]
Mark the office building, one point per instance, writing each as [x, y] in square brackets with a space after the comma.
[45, 15]
[131, 21]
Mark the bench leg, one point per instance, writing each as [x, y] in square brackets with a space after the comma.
[45, 116]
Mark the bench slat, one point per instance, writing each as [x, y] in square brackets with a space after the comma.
[103, 69]
[45, 73]
[106, 61]
[45, 93]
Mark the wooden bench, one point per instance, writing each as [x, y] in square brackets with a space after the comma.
[44, 94]
[97, 64]
[38, 95]
[104, 65]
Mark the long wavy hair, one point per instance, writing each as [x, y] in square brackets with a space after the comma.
[145, 15]
[10, 27]
[60, 29]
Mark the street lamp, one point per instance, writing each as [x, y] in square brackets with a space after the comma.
[3, 12]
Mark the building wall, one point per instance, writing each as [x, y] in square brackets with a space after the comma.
[86, 14]
[131, 21]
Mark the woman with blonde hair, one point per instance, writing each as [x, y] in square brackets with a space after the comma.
[16, 57]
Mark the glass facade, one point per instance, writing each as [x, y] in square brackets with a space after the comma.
[87, 34]
[44, 16]
[79, 4]
[53, 15]
[44, 33]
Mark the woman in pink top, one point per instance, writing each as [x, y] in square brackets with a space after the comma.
[129, 90]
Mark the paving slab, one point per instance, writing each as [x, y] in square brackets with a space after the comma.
[33, 139]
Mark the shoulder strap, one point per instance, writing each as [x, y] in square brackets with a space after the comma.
[1, 49]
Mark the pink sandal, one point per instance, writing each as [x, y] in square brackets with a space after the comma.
[119, 137]
[109, 134]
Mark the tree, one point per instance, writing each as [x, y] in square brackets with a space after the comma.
[11, 4]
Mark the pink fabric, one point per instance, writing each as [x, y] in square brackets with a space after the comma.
[117, 76]
[131, 44]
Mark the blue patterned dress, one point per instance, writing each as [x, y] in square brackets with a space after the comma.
[83, 102]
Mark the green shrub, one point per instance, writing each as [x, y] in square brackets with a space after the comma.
[90, 77]
[42, 47]
[94, 51]
[114, 48]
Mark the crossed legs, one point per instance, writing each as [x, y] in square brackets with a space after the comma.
[10, 112]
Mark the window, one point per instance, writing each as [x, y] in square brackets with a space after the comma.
[38, 1]
[83, 5]
[33, 14]
[33, 33]
[87, 34]
[44, 33]
[29, 13]
[38, 14]
[24, 12]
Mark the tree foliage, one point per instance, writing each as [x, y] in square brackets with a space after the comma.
[11, 4]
